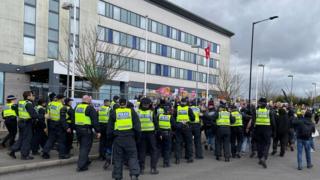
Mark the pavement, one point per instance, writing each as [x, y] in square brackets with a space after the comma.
[206, 169]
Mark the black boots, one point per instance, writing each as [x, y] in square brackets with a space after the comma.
[12, 154]
[263, 163]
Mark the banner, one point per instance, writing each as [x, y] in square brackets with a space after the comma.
[96, 103]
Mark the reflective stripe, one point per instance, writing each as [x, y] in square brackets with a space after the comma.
[104, 114]
[67, 115]
[224, 118]
[145, 118]
[80, 115]
[123, 119]
[22, 111]
[196, 112]
[164, 121]
[183, 114]
[54, 110]
[8, 111]
[262, 117]
[238, 117]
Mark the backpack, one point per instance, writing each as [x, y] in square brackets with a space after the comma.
[306, 130]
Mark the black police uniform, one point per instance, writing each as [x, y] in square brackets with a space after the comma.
[39, 138]
[25, 131]
[124, 144]
[11, 125]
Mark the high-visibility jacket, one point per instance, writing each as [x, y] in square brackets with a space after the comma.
[54, 110]
[224, 118]
[22, 111]
[68, 118]
[145, 118]
[104, 114]
[196, 112]
[8, 111]
[123, 119]
[263, 117]
[238, 118]
[164, 121]
[183, 114]
[81, 119]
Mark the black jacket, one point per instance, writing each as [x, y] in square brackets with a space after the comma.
[282, 122]
[299, 127]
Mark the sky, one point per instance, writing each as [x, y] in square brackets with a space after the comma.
[287, 45]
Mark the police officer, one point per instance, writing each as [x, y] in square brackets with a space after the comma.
[165, 124]
[57, 128]
[223, 120]
[183, 115]
[115, 102]
[27, 115]
[236, 132]
[264, 124]
[39, 135]
[86, 118]
[9, 114]
[148, 137]
[124, 131]
[103, 120]
[70, 123]
[196, 130]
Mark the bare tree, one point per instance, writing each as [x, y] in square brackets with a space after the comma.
[98, 61]
[268, 90]
[229, 84]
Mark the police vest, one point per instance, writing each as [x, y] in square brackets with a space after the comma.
[8, 111]
[238, 118]
[146, 120]
[68, 118]
[54, 110]
[39, 107]
[112, 104]
[123, 119]
[81, 118]
[196, 112]
[104, 114]
[164, 122]
[262, 117]
[183, 114]
[22, 111]
[224, 118]
[160, 111]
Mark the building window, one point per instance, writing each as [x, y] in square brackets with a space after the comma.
[101, 8]
[1, 87]
[116, 13]
[142, 22]
[141, 66]
[53, 31]
[53, 50]
[142, 44]
[154, 26]
[29, 27]
[116, 37]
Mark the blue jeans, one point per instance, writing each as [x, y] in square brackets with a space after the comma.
[312, 143]
[306, 145]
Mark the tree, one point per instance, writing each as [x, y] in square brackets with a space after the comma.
[97, 61]
[229, 84]
[267, 90]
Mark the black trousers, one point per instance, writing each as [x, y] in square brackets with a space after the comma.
[39, 138]
[85, 139]
[11, 125]
[103, 140]
[263, 139]
[165, 145]
[148, 142]
[183, 135]
[196, 132]
[25, 136]
[56, 133]
[283, 139]
[124, 148]
[223, 140]
[236, 139]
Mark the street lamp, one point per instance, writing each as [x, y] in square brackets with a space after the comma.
[250, 78]
[315, 93]
[197, 74]
[291, 76]
[68, 6]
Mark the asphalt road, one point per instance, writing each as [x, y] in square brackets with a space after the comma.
[206, 169]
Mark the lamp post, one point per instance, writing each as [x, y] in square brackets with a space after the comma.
[197, 74]
[257, 83]
[315, 93]
[291, 76]
[68, 6]
[262, 79]
[252, 38]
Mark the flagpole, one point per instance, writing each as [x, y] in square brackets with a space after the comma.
[146, 59]
[207, 98]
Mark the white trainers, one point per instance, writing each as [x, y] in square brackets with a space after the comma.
[312, 150]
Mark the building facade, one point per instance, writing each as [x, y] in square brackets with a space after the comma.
[35, 36]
